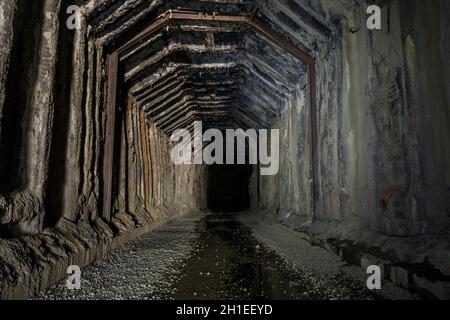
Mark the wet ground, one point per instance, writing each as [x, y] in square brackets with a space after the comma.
[212, 256]
[228, 263]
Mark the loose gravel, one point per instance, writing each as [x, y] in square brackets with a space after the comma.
[219, 257]
[140, 269]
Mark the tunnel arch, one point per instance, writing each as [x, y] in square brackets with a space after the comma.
[164, 20]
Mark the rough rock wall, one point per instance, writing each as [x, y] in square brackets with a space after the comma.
[383, 143]
[396, 99]
[52, 133]
[27, 108]
[52, 123]
[147, 179]
[289, 193]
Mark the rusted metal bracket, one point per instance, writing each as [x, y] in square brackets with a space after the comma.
[179, 15]
[111, 101]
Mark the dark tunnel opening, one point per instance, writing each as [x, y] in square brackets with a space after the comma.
[228, 187]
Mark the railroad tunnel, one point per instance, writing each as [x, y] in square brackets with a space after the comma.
[305, 137]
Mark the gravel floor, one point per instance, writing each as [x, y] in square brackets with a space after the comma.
[141, 269]
[217, 257]
[327, 272]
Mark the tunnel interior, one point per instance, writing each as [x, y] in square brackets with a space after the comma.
[202, 68]
[359, 118]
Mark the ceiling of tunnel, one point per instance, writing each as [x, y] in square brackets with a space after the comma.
[190, 73]
[223, 73]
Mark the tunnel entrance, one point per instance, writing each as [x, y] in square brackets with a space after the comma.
[228, 187]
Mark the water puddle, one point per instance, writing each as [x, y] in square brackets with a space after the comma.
[228, 263]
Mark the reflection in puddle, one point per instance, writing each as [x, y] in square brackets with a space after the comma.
[228, 263]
